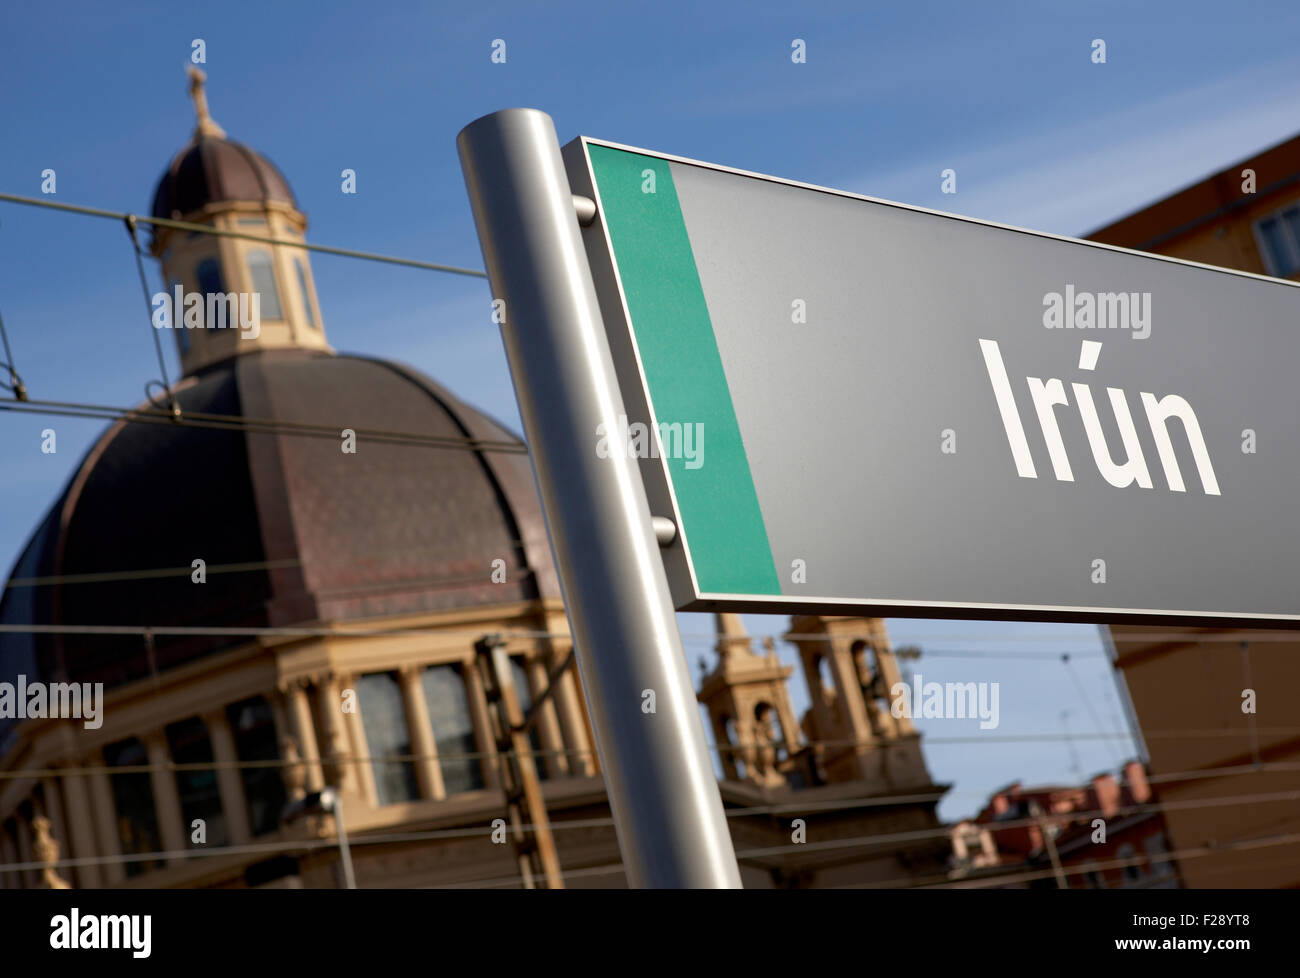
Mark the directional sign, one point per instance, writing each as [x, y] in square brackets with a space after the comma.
[846, 404]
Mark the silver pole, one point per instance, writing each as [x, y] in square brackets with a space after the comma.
[662, 791]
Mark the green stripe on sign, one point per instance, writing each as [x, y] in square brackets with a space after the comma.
[723, 524]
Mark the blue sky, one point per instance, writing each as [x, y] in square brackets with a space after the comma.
[891, 94]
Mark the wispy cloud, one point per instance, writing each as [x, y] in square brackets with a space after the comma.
[1074, 177]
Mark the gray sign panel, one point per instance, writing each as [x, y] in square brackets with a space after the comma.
[853, 405]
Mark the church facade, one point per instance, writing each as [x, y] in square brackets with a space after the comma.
[318, 625]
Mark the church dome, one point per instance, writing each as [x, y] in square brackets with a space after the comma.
[291, 528]
[215, 170]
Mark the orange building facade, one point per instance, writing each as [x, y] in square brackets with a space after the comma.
[1228, 776]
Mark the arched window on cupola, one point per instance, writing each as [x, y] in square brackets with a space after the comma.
[305, 291]
[262, 273]
[209, 277]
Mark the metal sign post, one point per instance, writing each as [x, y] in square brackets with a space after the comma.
[671, 827]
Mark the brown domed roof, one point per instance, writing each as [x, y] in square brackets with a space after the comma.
[214, 170]
[393, 529]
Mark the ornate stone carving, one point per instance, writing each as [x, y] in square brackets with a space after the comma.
[294, 771]
[46, 850]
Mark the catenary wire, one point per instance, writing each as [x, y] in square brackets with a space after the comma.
[222, 232]
[344, 630]
[19, 774]
[130, 223]
[939, 832]
[234, 422]
[15, 382]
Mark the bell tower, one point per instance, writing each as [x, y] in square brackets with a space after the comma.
[749, 708]
[228, 294]
[850, 668]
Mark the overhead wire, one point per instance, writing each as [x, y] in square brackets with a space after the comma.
[1071, 869]
[948, 881]
[253, 631]
[1083, 695]
[830, 845]
[350, 761]
[15, 383]
[173, 414]
[252, 425]
[225, 233]
[173, 409]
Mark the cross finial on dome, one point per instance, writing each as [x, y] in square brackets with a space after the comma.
[206, 126]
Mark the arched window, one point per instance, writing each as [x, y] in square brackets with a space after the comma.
[200, 797]
[383, 715]
[769, 722]
[137, 820]
[824, 673]
[262, 272]
[209, 277]
[253, 726]
[858, 652]
[211, 282]
[453, 728]
[866, 663]
[306, 292]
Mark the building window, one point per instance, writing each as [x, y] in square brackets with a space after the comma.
[453, 728]
[200, 797]
[211, 282]
[263, 275]
[1279, 240]
[1132, 871]
[306, 292]
[383, 715]
[137, 821]
[208, 273]
[253, 727]
[524, 692]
